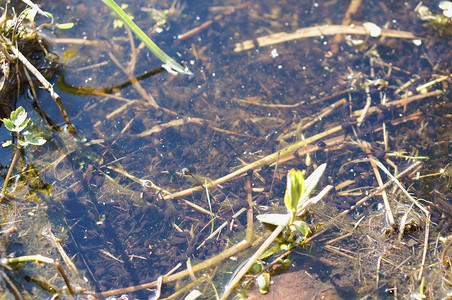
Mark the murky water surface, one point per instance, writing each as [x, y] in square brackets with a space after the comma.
[113, 184]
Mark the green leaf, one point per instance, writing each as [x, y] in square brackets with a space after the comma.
[263, 282]
[275, 219]
[311, 183]
[257, 267]
[18, 116]
[40, 11]
[300, 226]
[285, 247]
[37, 140]
[69, 54]
[9, 124]
[7, 143]
[23, 143]
[168, 63]
[23, 125]
[65, 26]
[270, 252]
[30, 14]
[34, 140]
[294, 189]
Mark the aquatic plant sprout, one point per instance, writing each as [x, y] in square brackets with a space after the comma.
[17, 123]
[296, 198]
[169, 64]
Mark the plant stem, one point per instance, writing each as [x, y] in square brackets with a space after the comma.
[11, 167]
[251, 261]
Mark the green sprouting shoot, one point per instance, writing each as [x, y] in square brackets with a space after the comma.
[298, 191]
[168, 63]
[17, 123]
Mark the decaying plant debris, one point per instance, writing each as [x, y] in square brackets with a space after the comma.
[25, 64]
[16, 32]
[170, 171]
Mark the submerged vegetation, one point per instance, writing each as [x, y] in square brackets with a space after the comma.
[169, 185]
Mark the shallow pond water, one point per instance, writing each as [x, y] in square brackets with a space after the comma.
[121, 197]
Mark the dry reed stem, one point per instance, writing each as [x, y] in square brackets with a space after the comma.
[317, 31]
[397, 182]
[362, 200]
[277, 106]
[207, 263]
[399, 103]
[199, 208]
[249, 213]
[341, 251]
[146, 183]
[220, 228]
[377, 277]
[47, 232]
[424, 253]
[251, 262]
[309, 121]
[388, 210]
[75, 41]
[187, 120]
[352, 9]
[173, 123]
[259, 163]
[435, 81]
[364, 111]
[183, 290]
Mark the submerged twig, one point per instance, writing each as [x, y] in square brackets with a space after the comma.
[251, 261]
[220, 228]
[397, 182]
[249, 213]
[399, 103]
[301, 33]
[308, 122]
[361, 201]
[373, 161]
[351, 10]
[259, 163]
[424, 253]
[205, 264]
[40, 259]
[47, 233]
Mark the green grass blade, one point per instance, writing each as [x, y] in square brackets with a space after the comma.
[168, 63]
